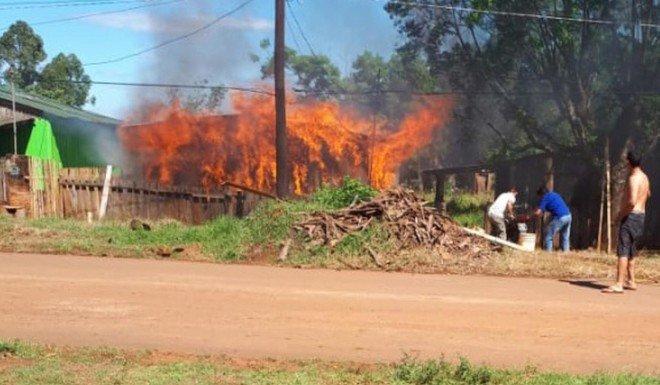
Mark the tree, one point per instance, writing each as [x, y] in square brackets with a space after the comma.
[21, 49]
[369, 75]
[315, 75]
[386, 87]
[64, 80]
[561, 84]
[558, 86]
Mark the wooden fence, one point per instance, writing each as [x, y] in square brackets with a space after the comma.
[81, 192]
[30, 185]
[44, 190]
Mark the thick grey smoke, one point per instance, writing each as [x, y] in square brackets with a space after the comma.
[214, 56]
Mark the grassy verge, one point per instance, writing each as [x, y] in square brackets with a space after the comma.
[27, 364]
[257, 239]
[223, 239]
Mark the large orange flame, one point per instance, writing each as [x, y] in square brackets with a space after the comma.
[326, 142]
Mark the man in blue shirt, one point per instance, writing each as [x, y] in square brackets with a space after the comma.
[553, 203]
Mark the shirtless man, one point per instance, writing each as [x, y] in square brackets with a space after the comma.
[631, 215]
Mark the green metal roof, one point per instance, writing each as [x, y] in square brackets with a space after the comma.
[52, 107]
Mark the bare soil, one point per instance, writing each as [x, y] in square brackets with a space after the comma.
[255, 312]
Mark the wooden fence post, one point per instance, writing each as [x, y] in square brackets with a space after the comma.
[439, 202]
[106, 190]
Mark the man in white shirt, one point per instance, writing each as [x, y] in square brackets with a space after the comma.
[501, 209]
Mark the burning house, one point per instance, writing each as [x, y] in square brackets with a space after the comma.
[326, 141]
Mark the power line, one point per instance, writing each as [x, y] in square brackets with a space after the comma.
[454, 92]
[170, 85]
[517, 14]
[293, 35]
[73, 4]
[297, 90]
[44, 2]
[174, 40]
[102, 13]
[302, 33]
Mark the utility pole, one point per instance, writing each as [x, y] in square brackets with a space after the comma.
[608, 194]
[13, 109]
[281, 148]
[372, 146]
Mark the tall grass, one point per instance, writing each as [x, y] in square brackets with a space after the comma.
[468, 209]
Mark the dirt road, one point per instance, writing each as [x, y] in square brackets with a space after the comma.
[255, 312]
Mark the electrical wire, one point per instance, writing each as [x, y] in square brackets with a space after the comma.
[102, 13]
[170, 85]
[76, 4]
[298, 90]
[45, 2]
[302, 33]
[517, 14]
[174, 40]
[453, 92]
[293, 35]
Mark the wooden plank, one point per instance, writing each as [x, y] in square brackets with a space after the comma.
[74, 200]
[106, 191]
[96, 199]
[88, 201]
[495, 239]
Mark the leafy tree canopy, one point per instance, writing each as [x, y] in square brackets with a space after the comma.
[315, 74]
[63, 79]
[555, 84]
[21, 50]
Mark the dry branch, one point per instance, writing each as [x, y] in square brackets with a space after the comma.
[407, 219]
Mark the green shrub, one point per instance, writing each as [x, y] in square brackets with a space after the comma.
[420, 373]
[271, 221]
[18, 349]
[471, 375]
[8, 347]
[351, 190]
[463, 203]
[475, 219]
[467, 209]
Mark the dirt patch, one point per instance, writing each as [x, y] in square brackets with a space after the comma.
[8, 361]
[262, 255]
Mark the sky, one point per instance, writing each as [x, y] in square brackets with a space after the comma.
[341, 29]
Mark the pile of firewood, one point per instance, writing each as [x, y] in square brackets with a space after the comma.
[405, 216]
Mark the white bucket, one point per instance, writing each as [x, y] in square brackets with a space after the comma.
[527, 241]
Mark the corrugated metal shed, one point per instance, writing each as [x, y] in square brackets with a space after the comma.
[85, 139]
[38, 105]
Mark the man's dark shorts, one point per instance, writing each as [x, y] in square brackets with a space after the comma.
[631, 229]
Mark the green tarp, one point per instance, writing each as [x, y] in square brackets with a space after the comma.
[42, 145]
[42, 142]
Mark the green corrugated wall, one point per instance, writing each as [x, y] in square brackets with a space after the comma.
[77, 140]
